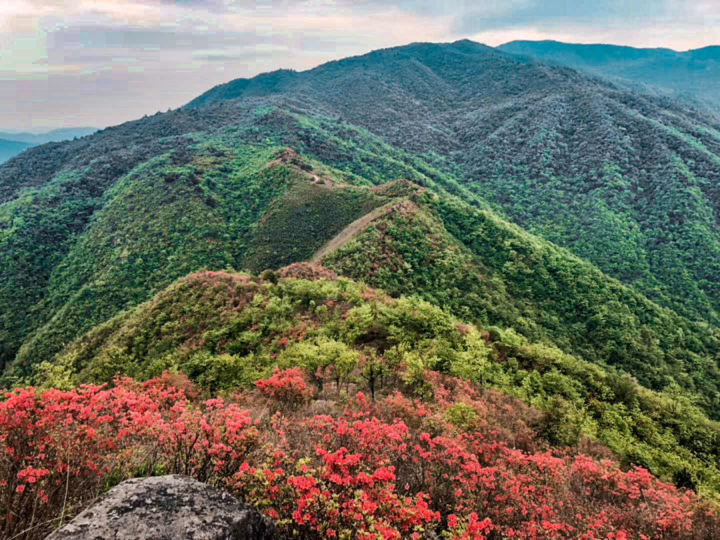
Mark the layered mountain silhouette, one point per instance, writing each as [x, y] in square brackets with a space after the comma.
[10, 148]
[690, 76]
[12, 143]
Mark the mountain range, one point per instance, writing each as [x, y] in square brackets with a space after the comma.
[690, 76]
[9, 149]
[12, 143]
[571, 220]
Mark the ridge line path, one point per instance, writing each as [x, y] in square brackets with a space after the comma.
[351, 231]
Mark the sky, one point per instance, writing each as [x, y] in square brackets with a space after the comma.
[70, 63]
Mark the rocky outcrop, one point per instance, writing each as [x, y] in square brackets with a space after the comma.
[167, 508]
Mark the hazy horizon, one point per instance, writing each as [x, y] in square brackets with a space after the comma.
[38, 130]
[103, 62]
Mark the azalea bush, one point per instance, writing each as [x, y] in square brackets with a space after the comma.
[287, 388]
[462, 461]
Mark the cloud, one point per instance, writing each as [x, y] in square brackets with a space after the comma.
[62, 62]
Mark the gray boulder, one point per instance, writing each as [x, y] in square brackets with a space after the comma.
[167, 508]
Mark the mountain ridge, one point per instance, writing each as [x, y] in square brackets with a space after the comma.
[691, 76]
[437, 114]
[609, 46]
[54, 135]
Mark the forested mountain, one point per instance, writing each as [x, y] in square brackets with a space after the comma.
[569, 225]
[326, 394]
[691, 76]
[602, 171]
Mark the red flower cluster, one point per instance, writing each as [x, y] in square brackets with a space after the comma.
[58, 449]
[463, 463]
[287, 388]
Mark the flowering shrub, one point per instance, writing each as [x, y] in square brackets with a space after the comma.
[61, 449]
[465, 464]
[286, 387]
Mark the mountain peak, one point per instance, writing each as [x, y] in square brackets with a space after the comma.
[380, 60]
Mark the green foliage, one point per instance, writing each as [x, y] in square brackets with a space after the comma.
[36, 231]
[661, 431]
[601, 334]
[323, 359]
[562, 423]
[462, 416]
[621, 179]
[587, 313]
[208, 206]
[409, 250]
[660, 68]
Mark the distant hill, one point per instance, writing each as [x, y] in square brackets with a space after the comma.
[11, 143]
[692, 76]
[56, 135]
[9, 149]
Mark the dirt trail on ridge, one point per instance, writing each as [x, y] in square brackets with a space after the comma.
[349, 232]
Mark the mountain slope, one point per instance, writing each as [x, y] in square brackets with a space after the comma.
[484, 269]
[692, 76]
[52, 201]
[170, 216]
[552, 236]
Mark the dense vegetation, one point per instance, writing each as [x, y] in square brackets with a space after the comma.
[479, 267]
[441, 453]
[624, 180]
[626, 183]
[392, 468]
[74, 260]
[208, 206]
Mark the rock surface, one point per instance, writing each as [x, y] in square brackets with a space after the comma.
[167, 508]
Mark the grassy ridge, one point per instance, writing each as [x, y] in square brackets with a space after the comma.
[222, 203]
[83, 246]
